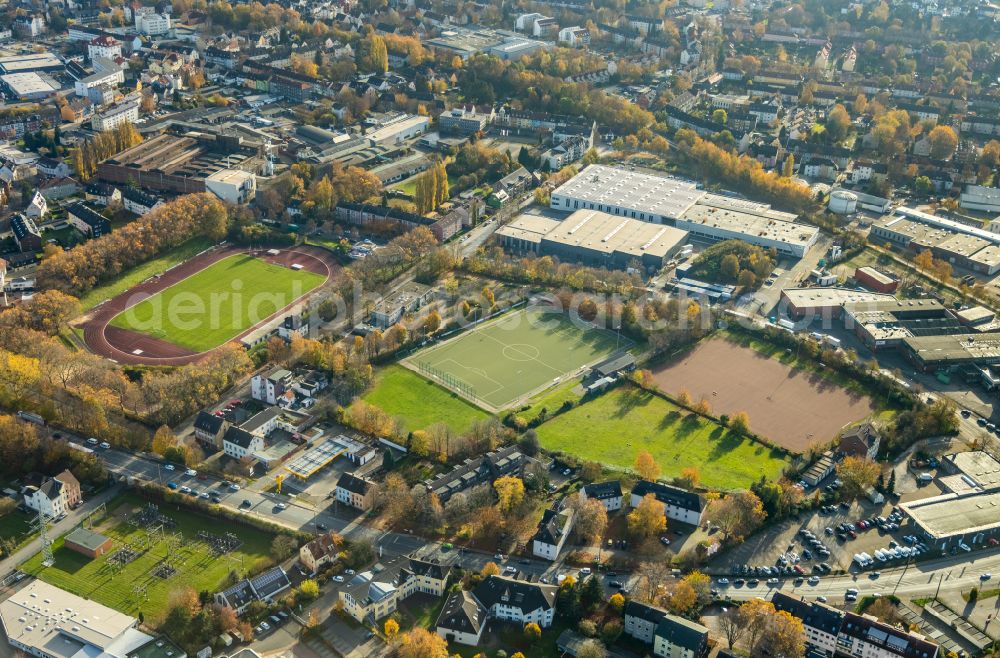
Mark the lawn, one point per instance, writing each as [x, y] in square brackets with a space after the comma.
[614, 427]
[15, 526]
[552, 400]
[196, 565]
[137, 275]
[516, 355]
[218, 303]
[408, 186]
[420, 403]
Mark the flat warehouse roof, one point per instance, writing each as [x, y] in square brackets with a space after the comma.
[822, 297]
[958, 347]
[613, 186]
[750, 225]
[25, 84]
[599, 231]
[956, 514]
[531, 228]
[978, 465]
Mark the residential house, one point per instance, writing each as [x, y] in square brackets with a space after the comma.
[58, 188]
[607, 493]
[209, 429]
[679, 504]
[77, 109]
[263, 587]
[508, 599]
[358, 492]
[820, 622]
[567, 152]
[38, 207]
[104, 46]
[139, 202]
[239, 443]
[475, 471]
[860, 441]
[87, 220]
[26, 233]
[52, 167]
[574, 36]
[766, 113]
[462, 619]
[115, 115]
[864, 635]
[269, 388]
[514, 183]
[30, 26]
[102, 194]
[641, 620]
[71, 488]
[819, 168]
[319, 552]
[553, 531]
[263, 422]
[677, 637]
[50, 498]
[376, 594]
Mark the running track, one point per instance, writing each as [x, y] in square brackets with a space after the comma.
[120, 344]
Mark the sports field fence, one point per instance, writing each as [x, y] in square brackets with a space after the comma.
[449, 380]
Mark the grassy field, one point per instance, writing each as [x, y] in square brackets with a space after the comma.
[139, 274]
[551, 400]
[614, 427]
[15, 526]
[408, 186]
[419, 403]
[196, 565]
[217, 303]
[508, 358]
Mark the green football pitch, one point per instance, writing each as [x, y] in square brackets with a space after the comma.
[503, 360]
[218, 303]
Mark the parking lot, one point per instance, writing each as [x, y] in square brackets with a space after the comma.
[832, 536]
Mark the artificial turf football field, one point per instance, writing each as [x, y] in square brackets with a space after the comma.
[504, 360]
[218, 303]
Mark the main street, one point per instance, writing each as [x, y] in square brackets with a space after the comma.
[958, 572]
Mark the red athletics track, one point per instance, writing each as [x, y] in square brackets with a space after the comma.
[120, 344]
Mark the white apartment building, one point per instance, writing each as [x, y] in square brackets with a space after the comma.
[152, 24]
[116, 115]
[574, 36]
[104, 46]
[110, 79]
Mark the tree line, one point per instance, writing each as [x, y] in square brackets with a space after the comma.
[710, 162]
[431, 188]
[485, 78]
[103, 259]
[101, 147]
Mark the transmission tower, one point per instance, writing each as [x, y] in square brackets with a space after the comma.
[41, 526]
[99, 512]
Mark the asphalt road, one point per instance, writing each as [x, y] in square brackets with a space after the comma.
[959, 572]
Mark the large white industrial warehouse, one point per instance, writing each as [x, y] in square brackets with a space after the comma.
[667, 200]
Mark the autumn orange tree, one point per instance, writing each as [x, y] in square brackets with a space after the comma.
[647, 519]
[510, 493]
[646, 466]
[79, 269]
[738, 513]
